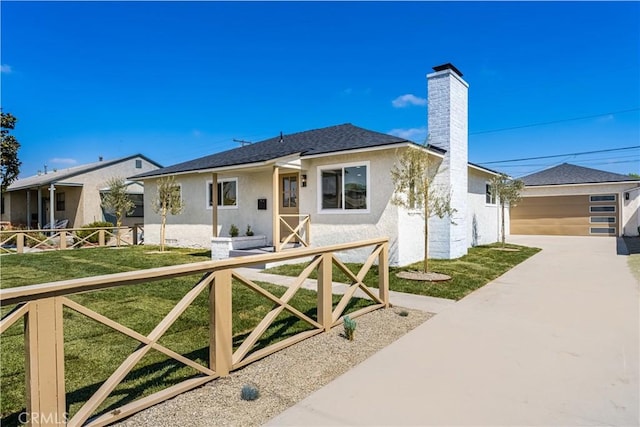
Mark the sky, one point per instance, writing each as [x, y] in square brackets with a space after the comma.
[180, 80]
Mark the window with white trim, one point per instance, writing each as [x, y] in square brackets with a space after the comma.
[490, 197]
[603, 198]
[227, 193]
[602, 230]
[602, 219]
[344, 187]
[594, 209]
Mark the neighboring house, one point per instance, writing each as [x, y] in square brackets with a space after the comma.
[339, 178]
[71, 194]
[577, 201]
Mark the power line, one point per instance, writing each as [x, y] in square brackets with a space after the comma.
[561, 155]
[555, 121]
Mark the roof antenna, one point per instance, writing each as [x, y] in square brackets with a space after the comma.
[242, 142]
[281, 138]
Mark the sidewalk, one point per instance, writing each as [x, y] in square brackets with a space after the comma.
[554, 341]
[418, 302]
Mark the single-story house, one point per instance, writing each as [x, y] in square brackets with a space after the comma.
[577, 201]
[72, 194]
[338, 179]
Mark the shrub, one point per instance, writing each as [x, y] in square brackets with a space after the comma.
[403, 313]
[249, 392]
[81, 234]
[349, 327]
[233, 231]
[249, 231]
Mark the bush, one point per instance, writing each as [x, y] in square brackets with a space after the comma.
[349, 327]
[81, 234]
[249, 392]
[233, 231]
[249, 231]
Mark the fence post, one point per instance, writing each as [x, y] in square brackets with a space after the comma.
[220, 328]
[63, 240]
[100, 237]
[20, 243]
[45, 363]
[325, 302]
[134, 234]
[383, 274]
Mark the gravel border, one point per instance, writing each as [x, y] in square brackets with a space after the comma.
[283, 378]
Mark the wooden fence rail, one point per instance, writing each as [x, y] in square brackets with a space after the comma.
[301, 232]
[15, 241]
[42, 306]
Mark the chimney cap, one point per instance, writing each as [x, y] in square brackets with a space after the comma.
[447, 66]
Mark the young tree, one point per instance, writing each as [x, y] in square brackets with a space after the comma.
[168, 201]
[9, 165]
[117, 202]
[507, 192]
[412, 178]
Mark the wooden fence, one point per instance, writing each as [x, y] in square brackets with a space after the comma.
[15, 241]
[42, 308]
[300, 233]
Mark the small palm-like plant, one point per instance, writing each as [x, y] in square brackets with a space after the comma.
[349, 327]
[249, 392]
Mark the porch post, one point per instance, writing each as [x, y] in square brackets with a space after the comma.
[52, 194]
[214, 204]
[275, 189]
[40, 207]
[28, 209]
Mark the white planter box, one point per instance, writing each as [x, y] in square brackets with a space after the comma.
[221, 246]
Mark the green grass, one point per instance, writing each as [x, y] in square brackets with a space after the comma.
[468, 273]
[93, 351]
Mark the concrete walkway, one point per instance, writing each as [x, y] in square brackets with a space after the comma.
[553, 342]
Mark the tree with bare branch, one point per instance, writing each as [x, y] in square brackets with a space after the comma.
[168, 201]
[413, 176]
[117, 202]
[507, 192]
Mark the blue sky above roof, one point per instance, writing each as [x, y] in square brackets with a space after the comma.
[177, 81]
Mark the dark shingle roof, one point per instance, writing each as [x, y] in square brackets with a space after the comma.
[572, 174]
[318, 141]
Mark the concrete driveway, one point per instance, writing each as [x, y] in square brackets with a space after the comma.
[553, 342]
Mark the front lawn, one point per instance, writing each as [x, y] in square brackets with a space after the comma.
[93, 351]
[468, 273]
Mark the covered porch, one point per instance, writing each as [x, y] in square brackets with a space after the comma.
[280, 198]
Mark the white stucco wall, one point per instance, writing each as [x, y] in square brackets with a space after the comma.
[380, 220]
[483, 221]
[192, 228]
[629, 209]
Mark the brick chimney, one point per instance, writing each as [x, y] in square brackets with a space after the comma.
[447, 119]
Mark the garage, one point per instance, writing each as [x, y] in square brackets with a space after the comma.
[571, 200]
[580, 215]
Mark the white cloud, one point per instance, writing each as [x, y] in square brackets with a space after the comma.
[5, 69]
[407, 100]
[412, 134]
[63, 161]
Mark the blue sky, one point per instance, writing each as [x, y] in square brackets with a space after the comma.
[180, 80]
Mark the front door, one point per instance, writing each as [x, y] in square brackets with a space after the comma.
[289, 203]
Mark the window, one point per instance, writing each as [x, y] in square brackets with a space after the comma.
[601, 219]
[59, 201]
[344, 187]
[602, 230]
[138, 164]
[227, 193]
[138, 210]
[603, 198]
[602, 209]
[289, 196]
[490, 198]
